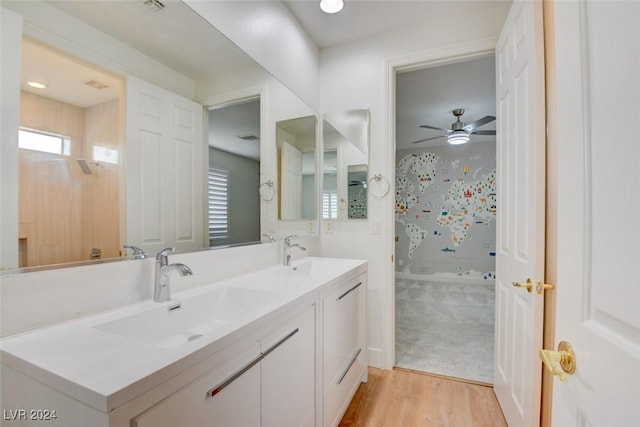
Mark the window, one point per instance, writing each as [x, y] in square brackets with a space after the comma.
[329, 205]
[105, 154]
[36, 140]
[218, 204]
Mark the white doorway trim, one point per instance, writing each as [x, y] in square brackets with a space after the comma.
[429, 58]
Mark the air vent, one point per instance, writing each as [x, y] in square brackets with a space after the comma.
[154, 5]
[248, 137]
[96, 85]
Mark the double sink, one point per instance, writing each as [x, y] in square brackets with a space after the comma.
[184, 320]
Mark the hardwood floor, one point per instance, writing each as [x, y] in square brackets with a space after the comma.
[401, 398]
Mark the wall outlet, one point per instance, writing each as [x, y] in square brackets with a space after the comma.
[311, 227]
[400, 262]
[328, 227]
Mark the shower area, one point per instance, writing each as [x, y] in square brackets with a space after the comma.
[445, 231]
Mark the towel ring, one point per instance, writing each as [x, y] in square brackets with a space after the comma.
[379, 178]
[270, 191]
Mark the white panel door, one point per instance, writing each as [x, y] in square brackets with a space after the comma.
[291, 188]
[520, 213]
[598, 290]
[165, 173]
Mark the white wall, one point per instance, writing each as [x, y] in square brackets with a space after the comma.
[355, 76]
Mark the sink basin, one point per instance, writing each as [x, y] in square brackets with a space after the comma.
[179, 322]
[301, 273]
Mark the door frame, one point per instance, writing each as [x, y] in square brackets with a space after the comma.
[447, 55]
[551, 208]
[431, 58]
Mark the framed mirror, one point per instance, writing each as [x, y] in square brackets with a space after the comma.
[197, 63]
[345, 165]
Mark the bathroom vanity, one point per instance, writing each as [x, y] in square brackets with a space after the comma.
[283, 346]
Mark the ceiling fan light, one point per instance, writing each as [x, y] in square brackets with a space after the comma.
[331, 6]
[458, 138]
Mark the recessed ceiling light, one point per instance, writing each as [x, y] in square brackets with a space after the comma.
[37, 85]
[96, 85]
[331, 6]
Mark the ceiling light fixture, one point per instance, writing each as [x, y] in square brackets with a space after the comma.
[37, 85]
[458, 138]
[331, 6]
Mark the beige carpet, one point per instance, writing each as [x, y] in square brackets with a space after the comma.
[445, 328]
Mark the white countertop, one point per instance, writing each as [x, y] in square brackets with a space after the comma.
[104, 370]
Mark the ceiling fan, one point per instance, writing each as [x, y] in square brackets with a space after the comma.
[460, 131]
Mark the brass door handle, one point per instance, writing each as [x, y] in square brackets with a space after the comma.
[540, 287]
[561, 362]
[528, 285]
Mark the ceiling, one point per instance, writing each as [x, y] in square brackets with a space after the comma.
[202, 50]
[361, 19]
[428, 96]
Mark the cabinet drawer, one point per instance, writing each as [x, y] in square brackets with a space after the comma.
[235, 404]
[338, 393]
[342, 322]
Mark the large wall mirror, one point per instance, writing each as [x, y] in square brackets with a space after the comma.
[345, 137]
[72, 203]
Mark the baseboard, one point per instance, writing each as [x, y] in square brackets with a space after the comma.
[374, 357]
[446, 277]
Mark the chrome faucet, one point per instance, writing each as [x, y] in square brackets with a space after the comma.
[286, 249]
[161, 290]
[137, 252]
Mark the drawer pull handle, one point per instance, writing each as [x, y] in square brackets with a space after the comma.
[217, 389]
[279, 343]
[351, 362]
[349, 291]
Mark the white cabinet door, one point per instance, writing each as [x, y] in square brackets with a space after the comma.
[229, 396]
[164, 169]
[598, 257]
[288, 373]
[520, 215]
[344, 352]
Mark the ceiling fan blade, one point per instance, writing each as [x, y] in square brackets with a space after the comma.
[480, 122]
[433, 127]
[484, 132]
[427, 139]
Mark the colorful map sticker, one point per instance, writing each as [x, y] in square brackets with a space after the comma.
[424, 168]
[405, 197]
[416, 235]
[467, 203]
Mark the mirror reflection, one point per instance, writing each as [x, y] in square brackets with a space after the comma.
[234, 174]
[296, 143]
[79, 203]
[345, 165]
[69, 159]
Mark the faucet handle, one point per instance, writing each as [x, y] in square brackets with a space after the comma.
[269, 236]
[162, 256]
[289, 237]
[137, 252]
